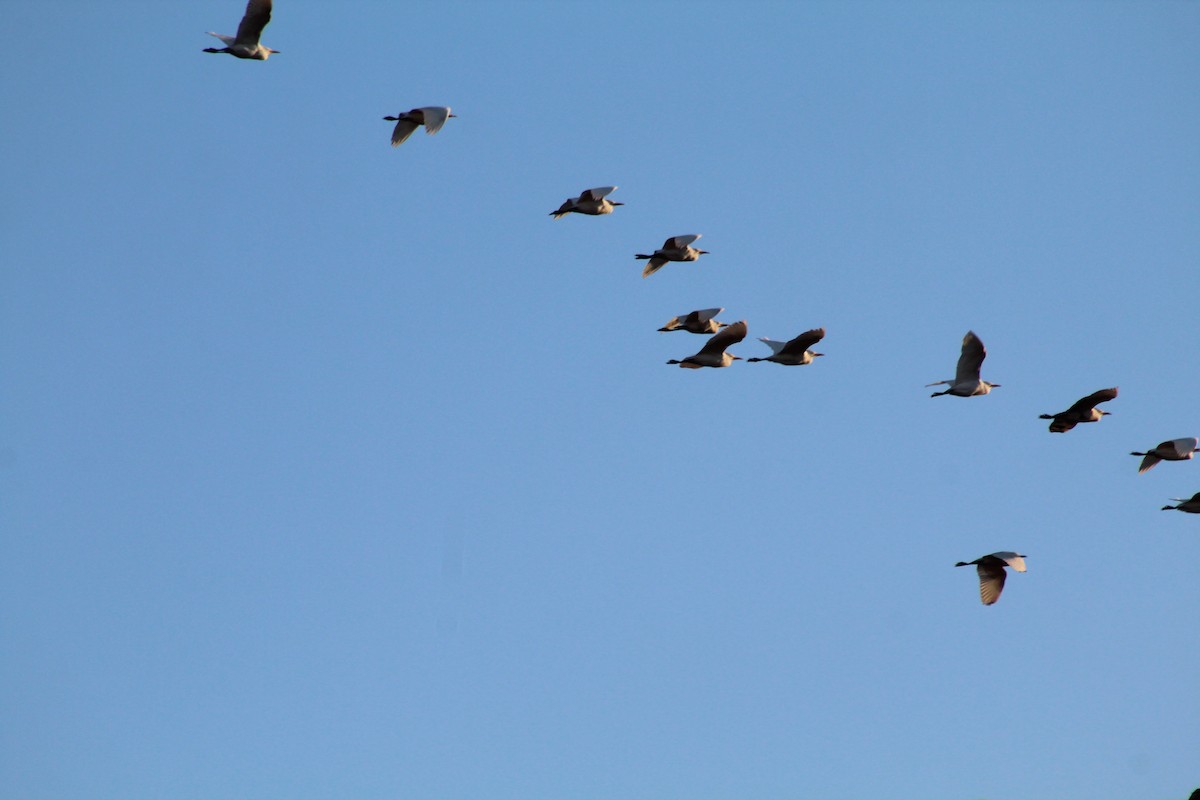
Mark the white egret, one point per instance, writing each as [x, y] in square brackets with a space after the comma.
[432, 117]
[591, 202]
[713, 353]
[992, 574]
[677, 248]
[700, 321]
[966, 381]
[1173, 450]
[246, 44]
[795, 352]
[1084, 410]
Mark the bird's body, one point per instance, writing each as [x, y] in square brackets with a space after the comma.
[991, 572]
[1084, 410]
[795, 352]
[246, 44]
[1173, 450]
[432, 117]
[700, 321]
[713, 353]
[966, 381]
[592, 202]
[1190, 505]
[677, 248]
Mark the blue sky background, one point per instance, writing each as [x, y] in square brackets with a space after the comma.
[337, 470]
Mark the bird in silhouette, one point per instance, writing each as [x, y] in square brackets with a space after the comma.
[246, 44]
[966, 381]
[713, 353]
[1173, 450]
[1191, 505]
[432, 117]
[591, 202]
[677, 248]
[794, 352]
[1084, 410]
[991, 573]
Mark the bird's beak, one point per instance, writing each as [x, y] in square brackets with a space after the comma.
[738, 358]
[454, 115]
[705, 252]
[615, 203]
[817, 354]
[269, 50]
[1106, 413]
[994, 385]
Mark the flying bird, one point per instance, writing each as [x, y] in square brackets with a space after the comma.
[966, 381]
[591, 202]
[795, 352]
[1191, 505]
[677, 248]
[992, 574]
[432, 117]
[713, 353]
[246, 44]
[1083, 411]
[700, 321]
[1173, 450]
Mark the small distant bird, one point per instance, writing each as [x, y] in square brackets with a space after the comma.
[700, 321]
[795, 352]
[713, 353]
[966, 381]
[590, 202]
[432, 117]
[1083, 411]
[992, 574]
[677, 248]
[1173, 450]
[1191, 505]
[245, 44]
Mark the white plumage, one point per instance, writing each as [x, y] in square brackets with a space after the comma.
[966, 381]
[591, 202]
[795, 352]
[677, 248]
[432, 117]
[713, 353]
[1172, 450]
[246, 44]
[699, 321]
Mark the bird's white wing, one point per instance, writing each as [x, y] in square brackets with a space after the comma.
[970, 359]
[258, 14]
[404, 129]
[776, 347]
[705, 314]
[1014, 560]
[680, 242]
[228, 40]
[1182, 446]
[598, 193]
[435, 118]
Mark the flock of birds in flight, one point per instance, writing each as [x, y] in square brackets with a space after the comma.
[795, 352]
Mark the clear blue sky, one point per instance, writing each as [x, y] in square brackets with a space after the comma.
[337, 470]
